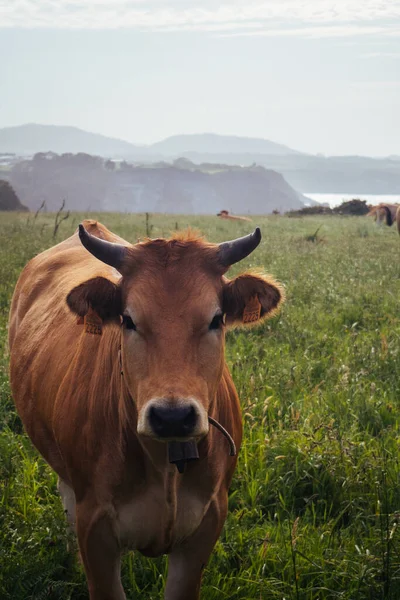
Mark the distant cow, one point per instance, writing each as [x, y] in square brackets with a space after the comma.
[117, 371]
[386, 213]
[224, 214]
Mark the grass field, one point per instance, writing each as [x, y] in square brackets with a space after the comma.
[315, 503]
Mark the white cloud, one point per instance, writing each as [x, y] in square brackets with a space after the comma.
[388, 85]
[318, 31]
[381, 55]
[312, 18]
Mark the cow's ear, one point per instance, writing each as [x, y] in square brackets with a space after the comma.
[250, 298]
[99, 294]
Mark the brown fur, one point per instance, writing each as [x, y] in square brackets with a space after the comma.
[224, 214]
[385, 213]
[82, 414]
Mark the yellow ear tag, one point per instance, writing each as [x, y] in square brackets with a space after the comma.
[93, 323]
[252, 310]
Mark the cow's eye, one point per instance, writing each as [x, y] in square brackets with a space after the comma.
[217, 322]
[128, 323]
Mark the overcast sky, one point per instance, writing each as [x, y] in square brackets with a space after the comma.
[318, 75]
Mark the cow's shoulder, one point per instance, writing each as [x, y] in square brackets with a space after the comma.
[48, 277]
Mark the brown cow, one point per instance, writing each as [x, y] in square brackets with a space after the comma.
[385, 213]
[117, 370]
[224, 214]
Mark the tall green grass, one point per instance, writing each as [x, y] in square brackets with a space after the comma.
[315, 502]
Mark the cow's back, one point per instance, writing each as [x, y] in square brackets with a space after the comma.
[44, 337]
[47, 278]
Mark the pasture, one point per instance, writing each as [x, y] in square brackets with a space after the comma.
[315, 502]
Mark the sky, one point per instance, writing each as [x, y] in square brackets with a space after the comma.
[320, 76]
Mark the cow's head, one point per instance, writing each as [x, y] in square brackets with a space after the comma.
[174, 303]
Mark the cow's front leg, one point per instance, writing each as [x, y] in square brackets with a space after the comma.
[68, 501]
[187, 561]
[100, 552]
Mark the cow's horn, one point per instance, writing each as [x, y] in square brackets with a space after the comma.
[231, 252]
[108, 252]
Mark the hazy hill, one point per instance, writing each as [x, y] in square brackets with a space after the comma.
[320, 174]
[179, 145]
[30, 139]
[90, 183]
[305, 172]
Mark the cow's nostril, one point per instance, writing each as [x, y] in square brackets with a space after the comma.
[190, 419]
[172, 421]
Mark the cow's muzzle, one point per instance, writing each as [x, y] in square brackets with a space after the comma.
[172, 421]
[181, 419]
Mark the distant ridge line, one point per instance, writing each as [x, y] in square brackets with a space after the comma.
[31, 138]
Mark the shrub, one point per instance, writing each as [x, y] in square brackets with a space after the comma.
[352, 207]
[8, 198]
